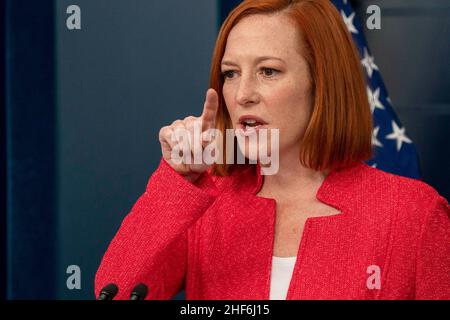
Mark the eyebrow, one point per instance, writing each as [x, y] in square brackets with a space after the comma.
[257, 60]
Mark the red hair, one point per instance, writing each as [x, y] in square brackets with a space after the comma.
[339, 133]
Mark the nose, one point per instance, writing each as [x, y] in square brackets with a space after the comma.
[246, 93]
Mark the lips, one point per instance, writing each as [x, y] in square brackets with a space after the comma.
[250, 124]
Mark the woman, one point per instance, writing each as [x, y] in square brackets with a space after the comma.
[325, 225]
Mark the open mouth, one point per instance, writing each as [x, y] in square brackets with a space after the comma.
[250, 125]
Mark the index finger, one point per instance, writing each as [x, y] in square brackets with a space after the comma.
[210, 109]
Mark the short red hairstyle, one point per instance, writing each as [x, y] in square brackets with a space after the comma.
[339, 133]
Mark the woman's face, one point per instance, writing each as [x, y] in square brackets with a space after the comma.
[265, 76]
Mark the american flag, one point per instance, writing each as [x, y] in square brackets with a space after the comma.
[394, 151]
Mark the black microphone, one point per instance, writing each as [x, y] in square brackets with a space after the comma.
[139, 292]
[108, 292]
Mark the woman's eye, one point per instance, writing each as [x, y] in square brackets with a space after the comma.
[228, 74]
[269, 72]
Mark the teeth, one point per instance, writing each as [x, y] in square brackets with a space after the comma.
[250, 121]
[247, 128]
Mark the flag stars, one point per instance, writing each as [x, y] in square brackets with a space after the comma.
[349, 22]
[374, 99]
[368, 63]
[386, 127]
[375, 141]
[398, 134]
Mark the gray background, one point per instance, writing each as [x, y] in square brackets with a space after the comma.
[134, 67]
[412, 50]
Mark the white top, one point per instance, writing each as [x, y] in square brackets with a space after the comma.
[280, 278]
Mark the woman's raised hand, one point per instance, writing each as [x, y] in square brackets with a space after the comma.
[192, 133]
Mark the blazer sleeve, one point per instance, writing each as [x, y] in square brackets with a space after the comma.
[150, 246]
[433, 257]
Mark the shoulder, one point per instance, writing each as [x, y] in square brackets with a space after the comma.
[404, 186]
[410, 197]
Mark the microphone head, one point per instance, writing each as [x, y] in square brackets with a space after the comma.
[109, 291]
[139, 292]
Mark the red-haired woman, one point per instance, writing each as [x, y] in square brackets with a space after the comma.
[325, 225]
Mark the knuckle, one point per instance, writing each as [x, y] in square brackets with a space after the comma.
[162, 131]
[178, 127]
[190, 125]
[176, 122]
[165, 134]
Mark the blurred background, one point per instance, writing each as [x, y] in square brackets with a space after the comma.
[82, 108]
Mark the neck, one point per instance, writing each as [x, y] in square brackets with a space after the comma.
[292, 176]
